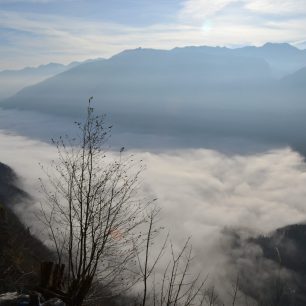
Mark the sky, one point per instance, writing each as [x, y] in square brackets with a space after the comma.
[34, 32]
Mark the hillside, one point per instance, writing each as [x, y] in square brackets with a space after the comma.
[10, 193]
[272, 268]
[20, 252]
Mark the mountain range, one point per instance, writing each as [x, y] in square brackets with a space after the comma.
[12, 81]
[253, 92]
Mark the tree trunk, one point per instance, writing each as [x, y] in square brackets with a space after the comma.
[78, 291]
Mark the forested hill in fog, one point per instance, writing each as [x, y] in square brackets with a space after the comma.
[20, 252]
[186, 91]
[282, 252]
[10, 192]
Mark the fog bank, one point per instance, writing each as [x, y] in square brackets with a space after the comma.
[201, 193]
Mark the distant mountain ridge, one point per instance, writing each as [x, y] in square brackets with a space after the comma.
[283, 58]
[49, 68]
[12, 81]
[243, 92]
[146, 80]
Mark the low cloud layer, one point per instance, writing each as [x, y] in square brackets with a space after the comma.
[200, 191]
[206, 189]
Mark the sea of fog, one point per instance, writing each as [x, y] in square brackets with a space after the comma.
[202, 190]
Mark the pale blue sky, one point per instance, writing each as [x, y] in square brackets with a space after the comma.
[34, 32]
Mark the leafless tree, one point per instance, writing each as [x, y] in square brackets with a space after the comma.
[91, 210]
[175, 285]
[211, 297]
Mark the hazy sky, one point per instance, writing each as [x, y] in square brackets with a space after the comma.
[33, 32]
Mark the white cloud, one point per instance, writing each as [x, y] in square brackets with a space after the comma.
[206, 188]
[38, 39]
[200, 187]
[282, 7]
[195, 10]
[200, 191]
[199, 9]
[242, 22]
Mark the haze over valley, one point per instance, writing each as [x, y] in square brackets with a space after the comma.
[208, 97]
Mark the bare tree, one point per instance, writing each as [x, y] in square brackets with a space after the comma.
[179, 286]
[92, 211]
[211, 297]
[175, 285]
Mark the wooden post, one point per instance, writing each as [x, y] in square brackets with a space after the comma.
[51, 275]
[46, 269]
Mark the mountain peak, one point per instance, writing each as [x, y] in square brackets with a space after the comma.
[283, 46]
